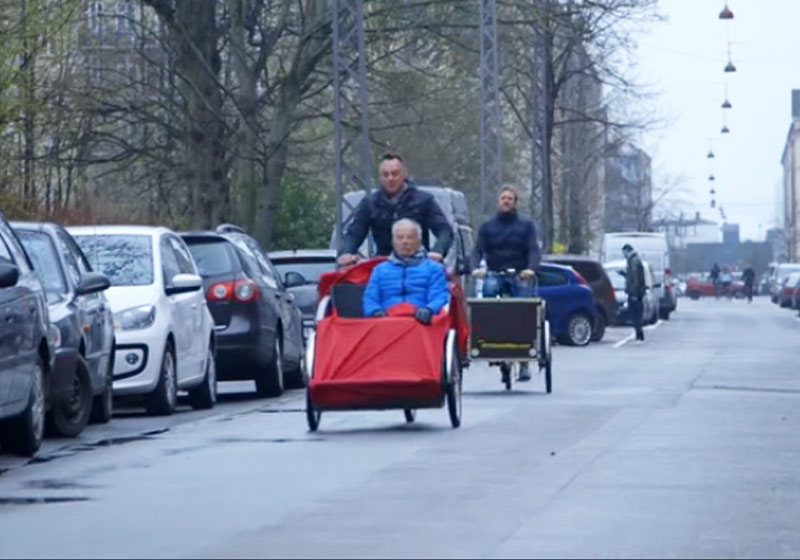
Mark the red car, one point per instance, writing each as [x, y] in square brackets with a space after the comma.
[697, 287]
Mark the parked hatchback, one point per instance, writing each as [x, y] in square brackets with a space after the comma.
[165, 333]
[571, 308]
[604, 297]
[25, 348]
[82, 383]
[258, 325]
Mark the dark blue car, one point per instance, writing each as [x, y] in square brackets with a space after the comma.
[571, 307]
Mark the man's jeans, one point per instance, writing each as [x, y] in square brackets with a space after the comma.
[507, 286]
[636, 308]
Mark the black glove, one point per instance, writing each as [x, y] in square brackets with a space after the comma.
[423, 315]
[379, 313]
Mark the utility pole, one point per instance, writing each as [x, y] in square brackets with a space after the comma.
[350, 104]
[491, 126]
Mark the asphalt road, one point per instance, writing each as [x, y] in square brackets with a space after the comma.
[685, 446]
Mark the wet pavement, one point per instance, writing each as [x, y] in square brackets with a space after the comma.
[684, 446]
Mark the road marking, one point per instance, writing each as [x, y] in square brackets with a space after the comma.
[624, 341]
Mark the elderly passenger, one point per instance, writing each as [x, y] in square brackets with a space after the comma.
[409, 276]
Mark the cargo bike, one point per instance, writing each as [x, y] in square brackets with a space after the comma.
[394, 362]
[507, 331]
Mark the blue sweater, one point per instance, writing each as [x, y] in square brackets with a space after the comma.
[391, 282]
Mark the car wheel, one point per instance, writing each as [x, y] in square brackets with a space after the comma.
[103, 404]
[270, 380]
[23, 435]
[579, 329]
[599, 329]
[70, 415]
[162, 401]
[664, 314]
[204, 396]
[296, 378]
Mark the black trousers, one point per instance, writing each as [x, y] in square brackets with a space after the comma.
[636, 308]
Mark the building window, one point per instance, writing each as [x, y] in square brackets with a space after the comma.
[126, 17]
[96, 17]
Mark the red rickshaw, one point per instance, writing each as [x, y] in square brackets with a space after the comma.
[394, 362]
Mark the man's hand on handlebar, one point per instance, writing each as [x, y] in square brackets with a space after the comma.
[435, 256]
[347, 259]
[479, 273]
[527, 274]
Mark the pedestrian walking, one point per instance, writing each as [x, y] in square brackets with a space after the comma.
[635, 288]
[714, 276]
[749, 277]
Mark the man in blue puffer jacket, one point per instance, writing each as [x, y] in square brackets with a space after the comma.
[409, 276]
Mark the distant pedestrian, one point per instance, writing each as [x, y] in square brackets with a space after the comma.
[714, 277]
[749, 277]
[635, 288]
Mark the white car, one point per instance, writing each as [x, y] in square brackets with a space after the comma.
[164, 330]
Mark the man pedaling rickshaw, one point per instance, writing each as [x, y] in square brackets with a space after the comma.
[397, 198]
[507, 242]
[409, 276]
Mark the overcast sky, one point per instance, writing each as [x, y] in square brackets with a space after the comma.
[683, 59]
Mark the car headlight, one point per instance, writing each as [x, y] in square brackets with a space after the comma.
[135, 318]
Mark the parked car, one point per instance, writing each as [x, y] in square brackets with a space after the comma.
[787, 292]
[616, 271]
[300, 271]
[258, 324]
[795, 301]
[164, 330]
[26, 353]
[778, 279]
[594, 273]
[571, 308]
[653, 248]
[82, 382]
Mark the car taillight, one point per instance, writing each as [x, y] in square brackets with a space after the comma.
[581, 279]
[246, 291]
[222, 291]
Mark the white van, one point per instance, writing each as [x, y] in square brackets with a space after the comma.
[652, 247]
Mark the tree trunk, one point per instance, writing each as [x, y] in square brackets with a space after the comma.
[198, 64]
[245, 176]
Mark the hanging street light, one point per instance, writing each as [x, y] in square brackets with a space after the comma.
[726, 104]
[725, 129]
[711, 177]
[710, 154]
[712, 192]
[726, 12]
[730, 67]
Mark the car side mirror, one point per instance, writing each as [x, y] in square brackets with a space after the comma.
[293, 279]
[93, 282]
[9, 274]
[184, 283]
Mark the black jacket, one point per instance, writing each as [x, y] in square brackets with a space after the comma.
[634, 277]
[377, 213]
[507, 241]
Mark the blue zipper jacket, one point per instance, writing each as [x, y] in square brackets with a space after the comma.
[423, 284]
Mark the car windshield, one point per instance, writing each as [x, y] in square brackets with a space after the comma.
[310, 268]
[42, 251]
[213, 258]
[127, 260]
